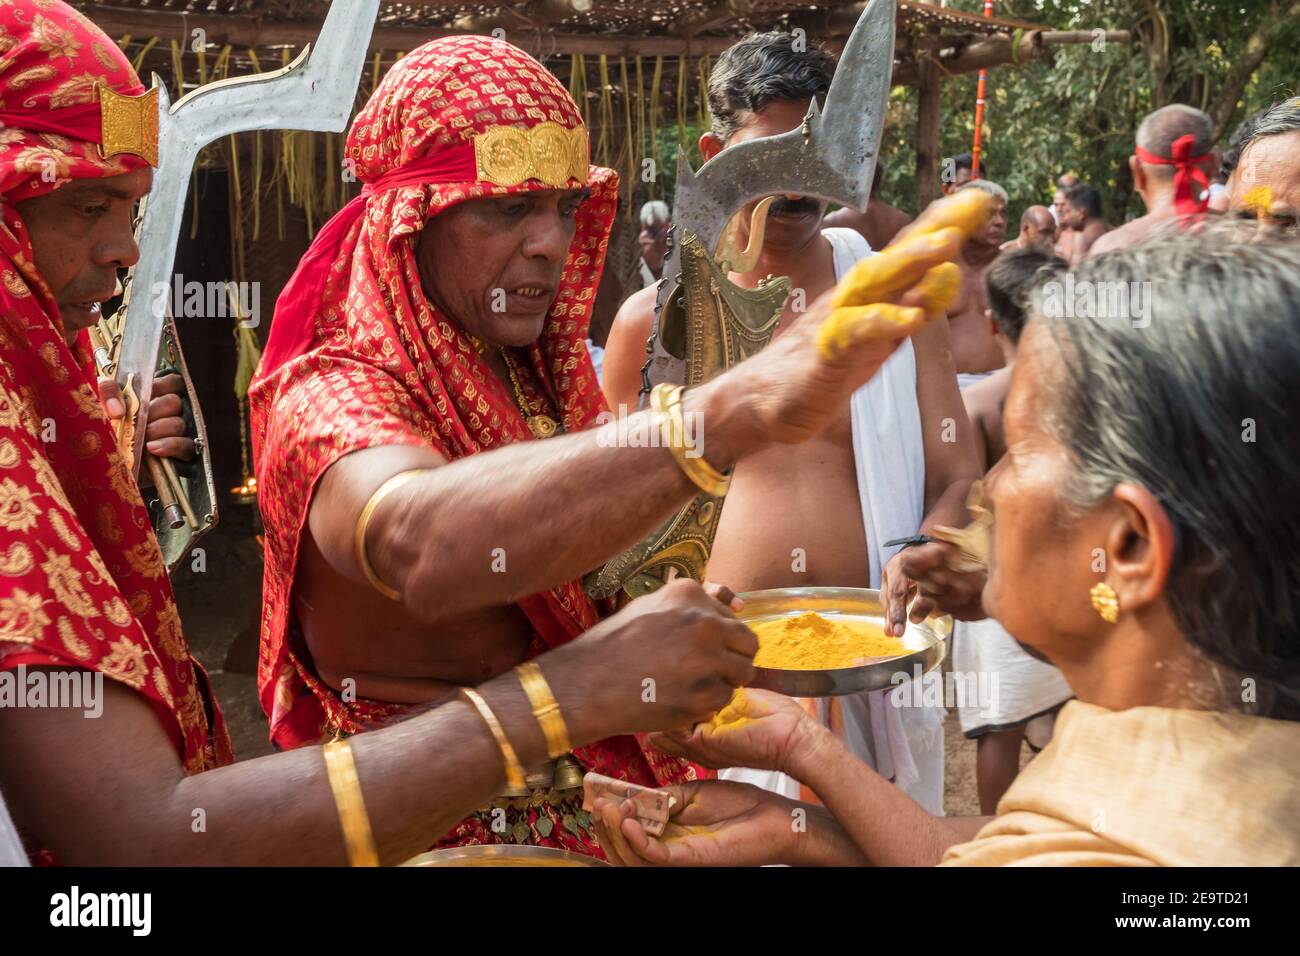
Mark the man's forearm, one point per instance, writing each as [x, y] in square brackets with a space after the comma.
[950, 508]
[490, 529]
[888, 826]
[825, 842]
[417, 778]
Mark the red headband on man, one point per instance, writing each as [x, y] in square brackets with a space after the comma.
[1190, 181]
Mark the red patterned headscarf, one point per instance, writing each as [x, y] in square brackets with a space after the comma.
[359, 357]
[82, 582]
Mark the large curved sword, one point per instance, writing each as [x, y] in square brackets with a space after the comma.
[315, 92]
[832, 156]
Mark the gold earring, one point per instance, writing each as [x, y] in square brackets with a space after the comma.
[1105, 601]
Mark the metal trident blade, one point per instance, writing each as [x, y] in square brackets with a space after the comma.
[314, 92]
[832, 156]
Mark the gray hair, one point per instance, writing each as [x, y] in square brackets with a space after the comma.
[654, 213]
[1282, 117]
[1160, 129]
[1198, 407]
[762, 68]
[988, 186]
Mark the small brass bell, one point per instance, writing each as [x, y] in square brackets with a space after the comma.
[568, 773]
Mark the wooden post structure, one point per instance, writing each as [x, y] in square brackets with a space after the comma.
[979, 108]
[927, 133]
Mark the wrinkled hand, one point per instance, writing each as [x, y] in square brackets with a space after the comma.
[926, 571]
[802, 380]
[757, 728]
[715, 823]
[666, 661]
[165, 431]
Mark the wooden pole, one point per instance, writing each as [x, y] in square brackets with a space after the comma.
[979, 108]
[927, 133]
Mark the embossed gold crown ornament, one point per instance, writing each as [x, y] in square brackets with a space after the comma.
[548, 152]
[128, 124]
[117, 122]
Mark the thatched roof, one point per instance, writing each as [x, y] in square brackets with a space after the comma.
[550, 28]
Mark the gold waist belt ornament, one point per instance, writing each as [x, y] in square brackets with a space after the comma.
[555, 791]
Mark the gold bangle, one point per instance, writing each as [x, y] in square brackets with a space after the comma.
[666, 401]
[514, 772]
[363, 523]
[545, 708]
[341, 770]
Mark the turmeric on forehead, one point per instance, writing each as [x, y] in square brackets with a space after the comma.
[812, 642]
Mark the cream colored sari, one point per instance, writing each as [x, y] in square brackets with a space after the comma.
[1150, 786]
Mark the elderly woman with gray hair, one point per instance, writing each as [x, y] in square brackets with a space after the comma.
[1146, 542]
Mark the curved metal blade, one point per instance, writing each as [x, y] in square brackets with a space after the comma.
[832, 156]
[314, 92]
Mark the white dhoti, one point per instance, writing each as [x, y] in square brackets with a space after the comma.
[1023, 687]
[903, 744]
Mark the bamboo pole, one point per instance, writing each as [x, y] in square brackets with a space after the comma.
[979, 108]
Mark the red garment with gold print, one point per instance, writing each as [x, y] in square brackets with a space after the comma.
[367, 360]
[82, 582]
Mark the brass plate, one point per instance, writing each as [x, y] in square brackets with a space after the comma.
[927, 642]
[503, 855]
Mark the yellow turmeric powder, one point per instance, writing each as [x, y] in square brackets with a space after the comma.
[732, 716]
[810, 642]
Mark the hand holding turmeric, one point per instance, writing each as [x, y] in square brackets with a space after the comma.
[862, 305]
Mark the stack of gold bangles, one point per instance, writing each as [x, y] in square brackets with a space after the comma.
[666, 402]
[341, 770]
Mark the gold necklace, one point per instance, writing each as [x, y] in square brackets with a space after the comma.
[539, 423]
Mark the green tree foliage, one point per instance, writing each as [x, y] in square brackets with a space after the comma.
[1077, 109]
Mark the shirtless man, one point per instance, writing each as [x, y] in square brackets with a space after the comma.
[1156, 182]
[879, 224]
[1083, 216]
[1065, 236]
[432, 490]
[788, 519]
[1037, 230]
[974, 352]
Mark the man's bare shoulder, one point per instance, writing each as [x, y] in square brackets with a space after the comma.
[1096, 229]
[845, 218]
[637, 313]
[1121, 237]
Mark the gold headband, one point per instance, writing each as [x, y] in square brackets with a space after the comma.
[549, 152]
[128, 124]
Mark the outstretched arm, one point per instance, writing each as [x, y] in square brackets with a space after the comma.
[492, 528]
[418, 778]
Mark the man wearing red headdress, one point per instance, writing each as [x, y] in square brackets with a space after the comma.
[1170, 166]
[430, 505]
[105, 718]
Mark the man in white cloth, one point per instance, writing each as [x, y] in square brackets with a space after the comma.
[900, 455]
[975, 353]
[1017, 695]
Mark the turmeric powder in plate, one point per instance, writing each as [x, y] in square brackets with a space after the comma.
[811, 642]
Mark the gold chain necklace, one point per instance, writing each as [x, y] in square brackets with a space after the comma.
[539, 423]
